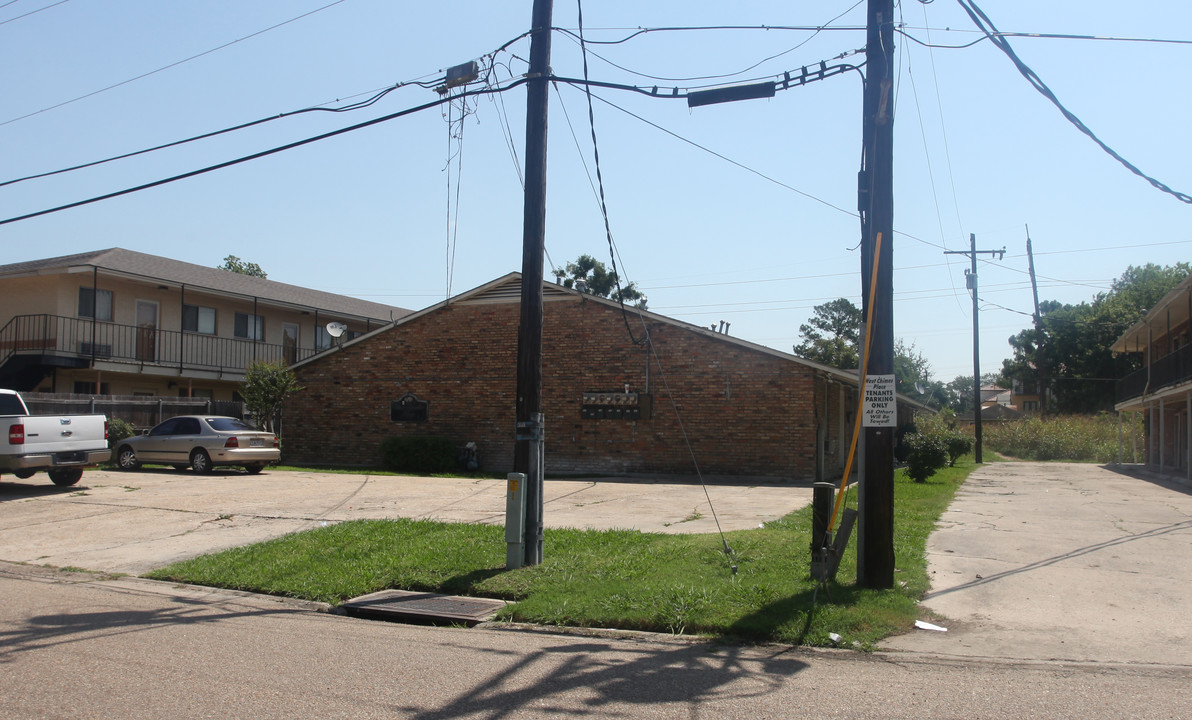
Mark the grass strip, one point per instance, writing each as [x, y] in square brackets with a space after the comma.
[608, 578]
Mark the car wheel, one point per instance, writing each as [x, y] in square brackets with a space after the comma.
[24, 473]
[126, 459]
[68, 476]
[254, 469]
[201, 462]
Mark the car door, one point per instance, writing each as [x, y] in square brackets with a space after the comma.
[153, 447]
[186, 435]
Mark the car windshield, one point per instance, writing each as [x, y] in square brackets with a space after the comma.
[227, 424]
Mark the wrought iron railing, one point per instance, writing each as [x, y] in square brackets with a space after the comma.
[97, 340]
[1168, 370]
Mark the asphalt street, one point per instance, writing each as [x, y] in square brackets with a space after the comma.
[75, 646]
[1063, 588]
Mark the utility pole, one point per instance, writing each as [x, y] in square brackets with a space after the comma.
[875, 535]
[527, 450]
[971, 281]
[1040, 373]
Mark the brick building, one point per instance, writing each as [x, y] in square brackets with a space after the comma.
[609, 400]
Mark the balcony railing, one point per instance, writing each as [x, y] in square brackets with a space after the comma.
[1169, 370]
[104, 341]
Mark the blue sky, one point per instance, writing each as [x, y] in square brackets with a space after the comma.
[402, 213]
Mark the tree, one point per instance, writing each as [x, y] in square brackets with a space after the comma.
[265, 389]
[1068, 351]
[831, 335]
[598, 280]
[234, 264]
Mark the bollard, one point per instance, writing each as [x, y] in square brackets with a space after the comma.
[823, 495]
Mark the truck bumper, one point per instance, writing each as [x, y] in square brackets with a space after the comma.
[45, 461]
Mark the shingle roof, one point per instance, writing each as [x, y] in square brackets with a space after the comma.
[157, 268]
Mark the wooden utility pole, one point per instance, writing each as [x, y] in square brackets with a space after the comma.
[971, 277]
[875, 539]
[1041, 383]
[527, 451]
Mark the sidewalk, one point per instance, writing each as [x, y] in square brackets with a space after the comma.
[1061, 561]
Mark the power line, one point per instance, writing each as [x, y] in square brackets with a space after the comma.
[265, 153]
[982, 21]
[164, 67]
[1036, 35]
[354, 106]
[727, 159]
[814, 32]
[31, 12]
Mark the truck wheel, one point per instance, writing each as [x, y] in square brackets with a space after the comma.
[201, 462]
[24, 473]
[68, 476]
[126, 459]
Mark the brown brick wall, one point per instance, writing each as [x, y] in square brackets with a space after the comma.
[745, 412]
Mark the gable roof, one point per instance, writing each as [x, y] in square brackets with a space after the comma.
[129, 263]
[507, 290]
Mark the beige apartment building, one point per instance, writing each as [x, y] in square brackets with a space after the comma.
[119, 322]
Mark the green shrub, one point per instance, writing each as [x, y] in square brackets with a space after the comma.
[118, 430]
[933, 442]
[959, 444]
[927, 452]
[418, 454]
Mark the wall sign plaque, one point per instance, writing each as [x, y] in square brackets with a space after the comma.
[409, 409]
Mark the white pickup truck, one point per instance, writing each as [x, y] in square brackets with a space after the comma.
[59, 444]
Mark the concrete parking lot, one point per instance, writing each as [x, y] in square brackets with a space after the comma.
[131, 522]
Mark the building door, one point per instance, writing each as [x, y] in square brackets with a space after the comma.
[146, 331]
[289, 342]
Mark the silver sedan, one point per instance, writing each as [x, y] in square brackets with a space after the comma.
[200, 442]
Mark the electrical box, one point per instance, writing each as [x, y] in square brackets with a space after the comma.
[515, 520]
[616, 406]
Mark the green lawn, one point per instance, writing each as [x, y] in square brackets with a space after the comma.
[615, 578]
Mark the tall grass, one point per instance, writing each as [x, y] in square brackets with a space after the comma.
[1075, 438]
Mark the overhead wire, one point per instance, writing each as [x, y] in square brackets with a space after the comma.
[263, 153]
[171, 65]
[982, 21]
[608, 231]
[31, 12]
[215, 133]
[814, 30]
[939, 104]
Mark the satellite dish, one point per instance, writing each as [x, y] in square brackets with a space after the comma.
[919, 387]
[335, 329]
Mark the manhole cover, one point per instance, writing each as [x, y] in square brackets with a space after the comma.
[406, 606]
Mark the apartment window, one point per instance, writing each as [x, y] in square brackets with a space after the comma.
[322, 338]
[198, 319]
[250, 326]
[95, 304]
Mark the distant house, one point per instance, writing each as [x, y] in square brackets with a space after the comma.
[1162, 389]
[625, 391]
[992, 395]
[118, 322]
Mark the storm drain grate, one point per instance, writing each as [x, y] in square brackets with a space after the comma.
[421, 607]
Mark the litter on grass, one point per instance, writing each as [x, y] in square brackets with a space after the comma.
[928, 626]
